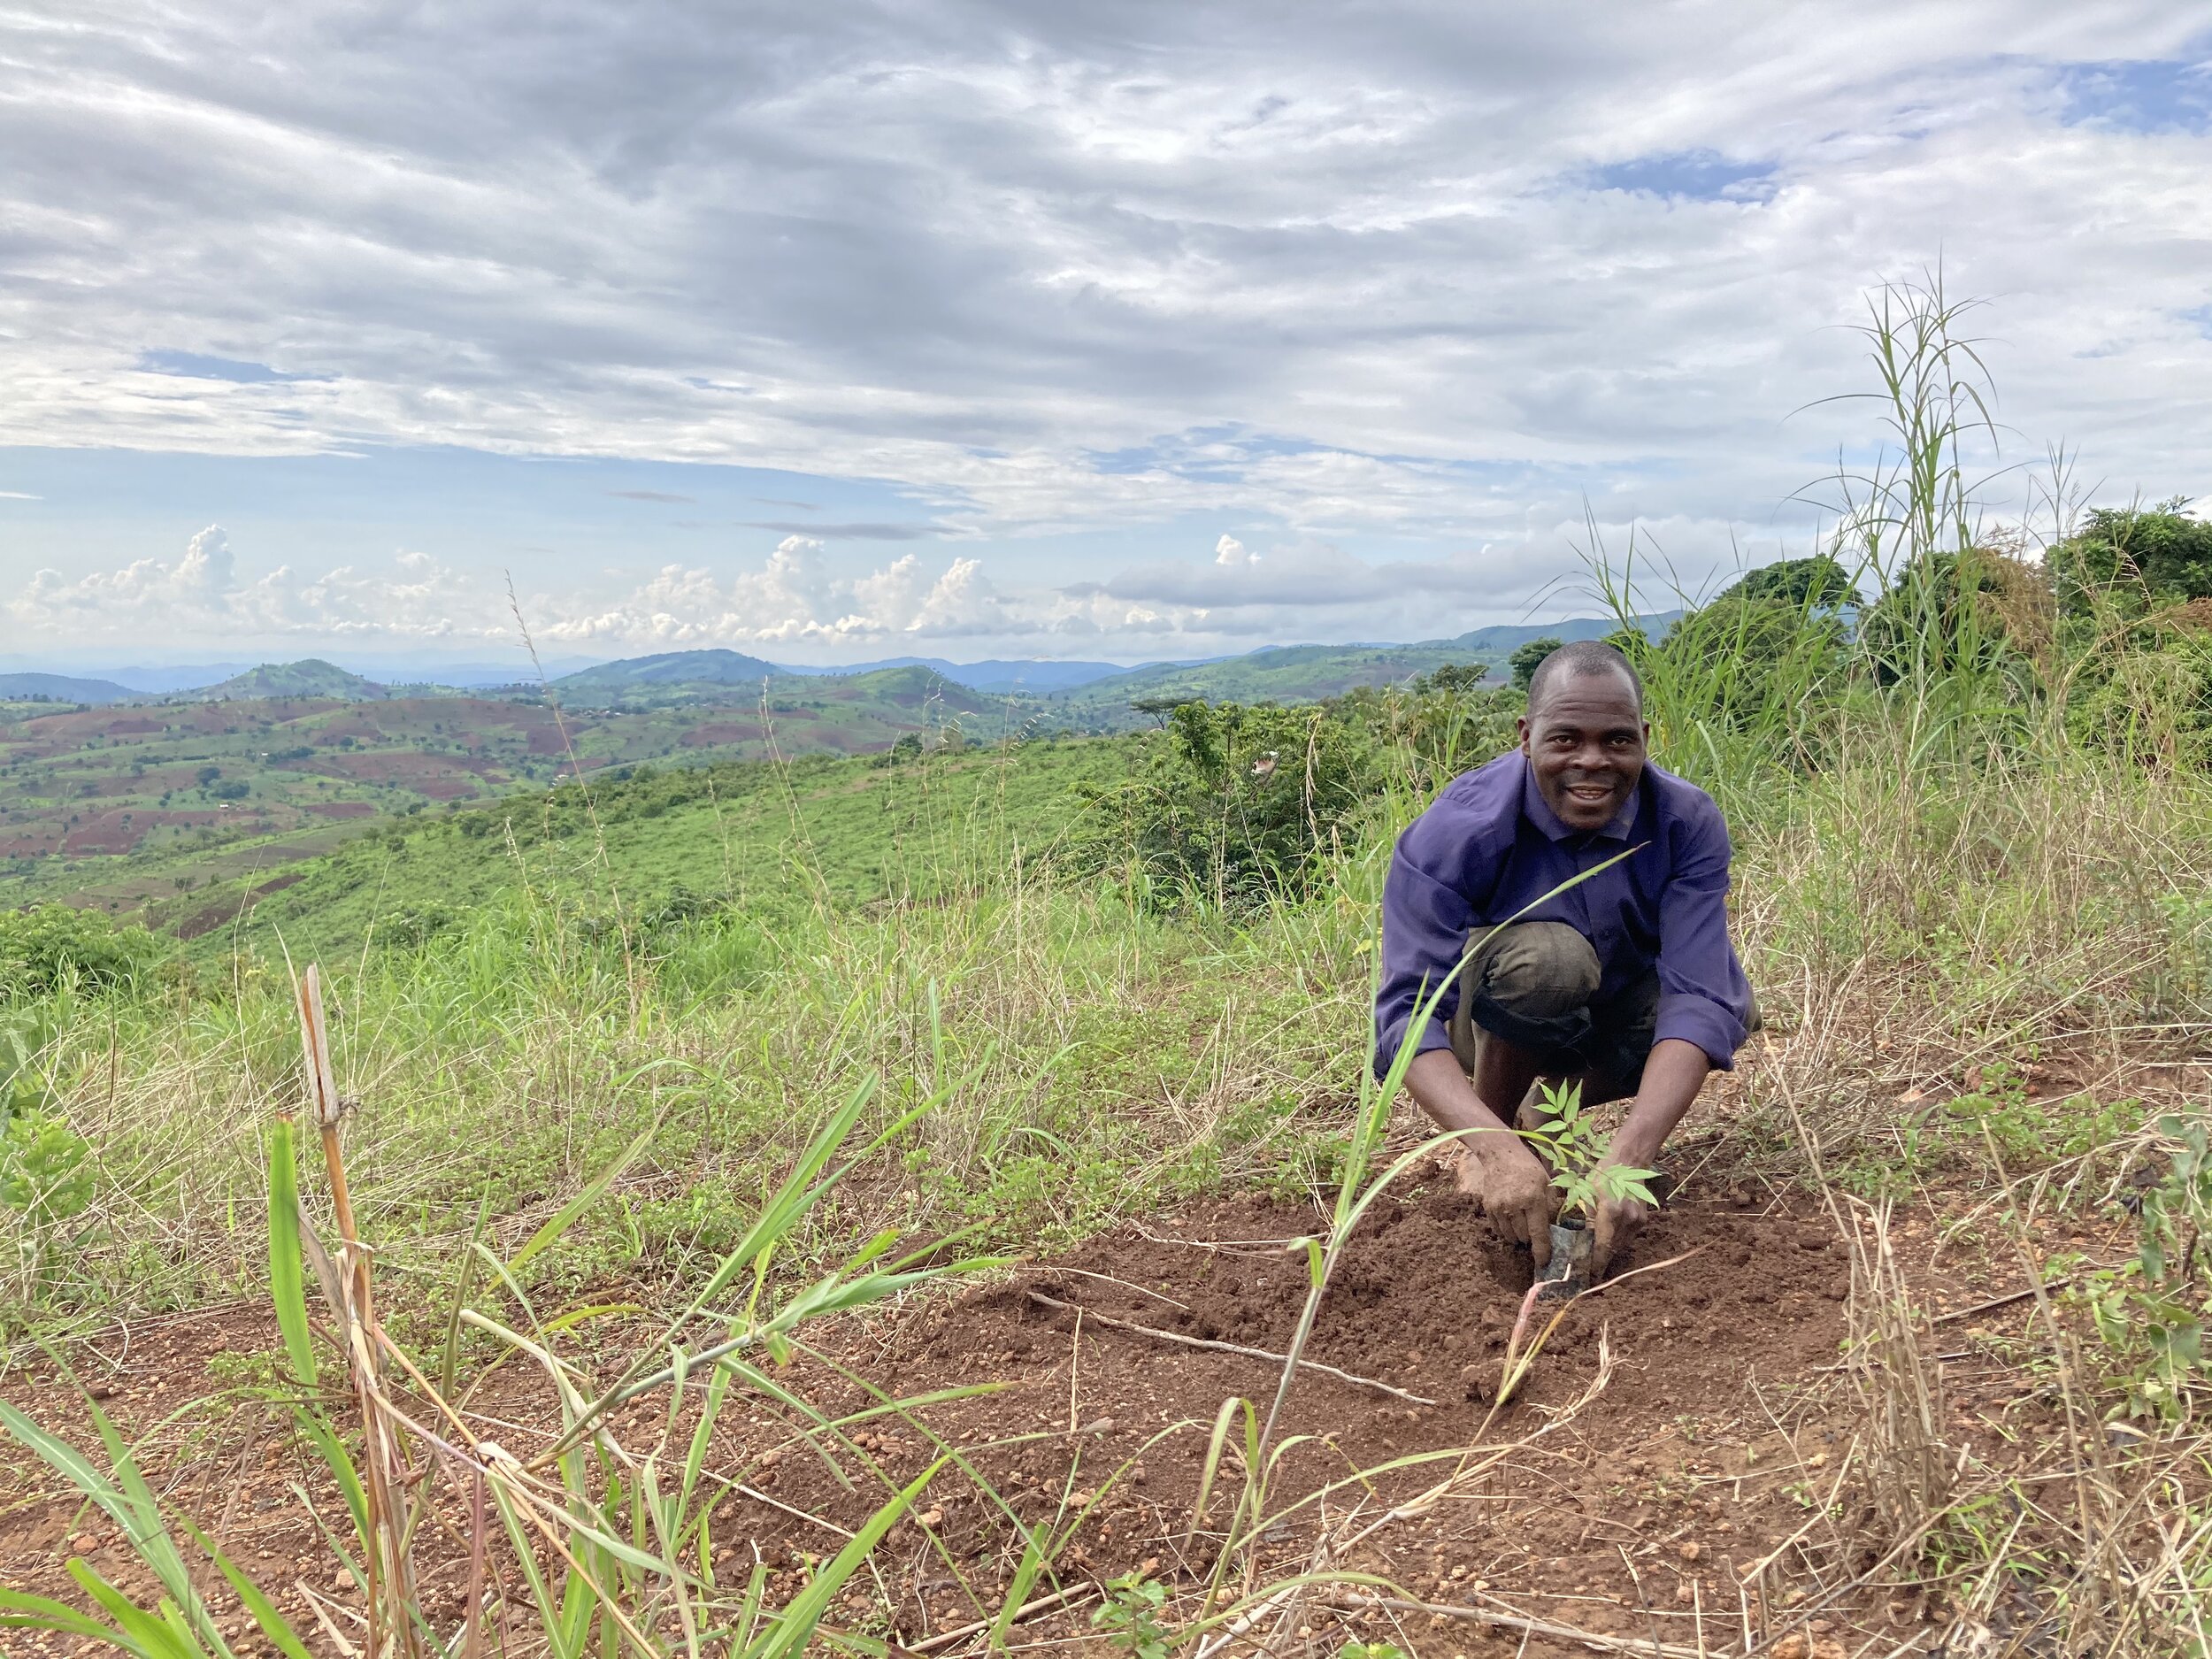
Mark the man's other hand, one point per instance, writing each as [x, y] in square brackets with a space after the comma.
[1517, 1194]
[1614, 1229]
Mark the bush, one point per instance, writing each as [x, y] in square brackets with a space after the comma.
[51, 946]
[1984, 612]
[2154, 557]
[2153, 706]
[1747, 652]
[1240, 804]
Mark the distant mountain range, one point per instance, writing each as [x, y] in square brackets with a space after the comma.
[997, 674]
[1094, 694]
[63, 689]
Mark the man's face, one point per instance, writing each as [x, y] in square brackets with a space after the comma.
[1584, 743]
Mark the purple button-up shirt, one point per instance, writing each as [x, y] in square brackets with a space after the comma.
[1490, 844]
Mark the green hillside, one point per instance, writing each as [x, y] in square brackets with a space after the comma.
[119, 806]
[765, 838]
[310, 677]
[1293, 673]
[692, 671]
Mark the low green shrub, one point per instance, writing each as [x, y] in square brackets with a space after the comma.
[50, 947]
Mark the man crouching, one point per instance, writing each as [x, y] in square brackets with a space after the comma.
[1627, 982]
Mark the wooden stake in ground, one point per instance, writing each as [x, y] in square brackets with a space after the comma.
[390, 1580]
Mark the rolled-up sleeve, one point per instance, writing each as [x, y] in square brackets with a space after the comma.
[1425, 924]
[1704, 995]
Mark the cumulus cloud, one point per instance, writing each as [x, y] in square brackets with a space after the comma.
[791, 601]
[200, 598]
[792, 605]
[1415, 283]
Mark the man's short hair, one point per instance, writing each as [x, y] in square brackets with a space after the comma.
[1581, 660]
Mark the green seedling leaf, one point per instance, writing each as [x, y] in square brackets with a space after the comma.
[339, 1462]
[285, 1289]
[149, 1632]
[19, 1610]
[273, 1624]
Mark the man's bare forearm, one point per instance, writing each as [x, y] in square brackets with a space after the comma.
[1445, 1092]
[1673, 1073]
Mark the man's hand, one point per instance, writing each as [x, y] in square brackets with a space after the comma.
[1613, 1229]
[1673, 1073]
[1517, 1194]
[1494, 1162]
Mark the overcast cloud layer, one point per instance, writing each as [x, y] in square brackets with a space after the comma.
[1355, 307]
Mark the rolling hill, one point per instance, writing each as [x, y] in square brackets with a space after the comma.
[310, 677]
[129, 802]
[700, 674]
[1035, 676]
[60, 688]
[118, 804]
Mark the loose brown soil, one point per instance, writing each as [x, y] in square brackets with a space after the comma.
[1679, 1428]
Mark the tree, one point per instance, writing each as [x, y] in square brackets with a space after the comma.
[1160, 704]
[1453, 678]
[1815, 583]
[208, 774]
[1525, 660]
[2156, 556]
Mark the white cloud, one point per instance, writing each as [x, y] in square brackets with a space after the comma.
[200, 599]
[1385, 287]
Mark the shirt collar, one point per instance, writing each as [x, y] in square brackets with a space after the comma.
[1537, 812]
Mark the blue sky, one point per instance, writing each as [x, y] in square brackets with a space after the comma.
[1008, 329]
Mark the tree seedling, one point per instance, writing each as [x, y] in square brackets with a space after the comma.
[1572, 1145]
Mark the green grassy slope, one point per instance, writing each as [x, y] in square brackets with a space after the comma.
[753, 835]
[614, 681]
[310, 677]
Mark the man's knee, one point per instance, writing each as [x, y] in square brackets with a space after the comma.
[1538, 970]
[1531, 985]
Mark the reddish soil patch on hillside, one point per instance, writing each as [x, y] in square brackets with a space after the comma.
[1662, 1449]
[223, 912]
[340, 809]
[108, 833]
[425, 774]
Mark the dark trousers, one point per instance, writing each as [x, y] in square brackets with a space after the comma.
[1535, 986]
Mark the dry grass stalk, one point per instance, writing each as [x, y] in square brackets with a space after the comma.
[1909, 1467]
[384, 1465]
